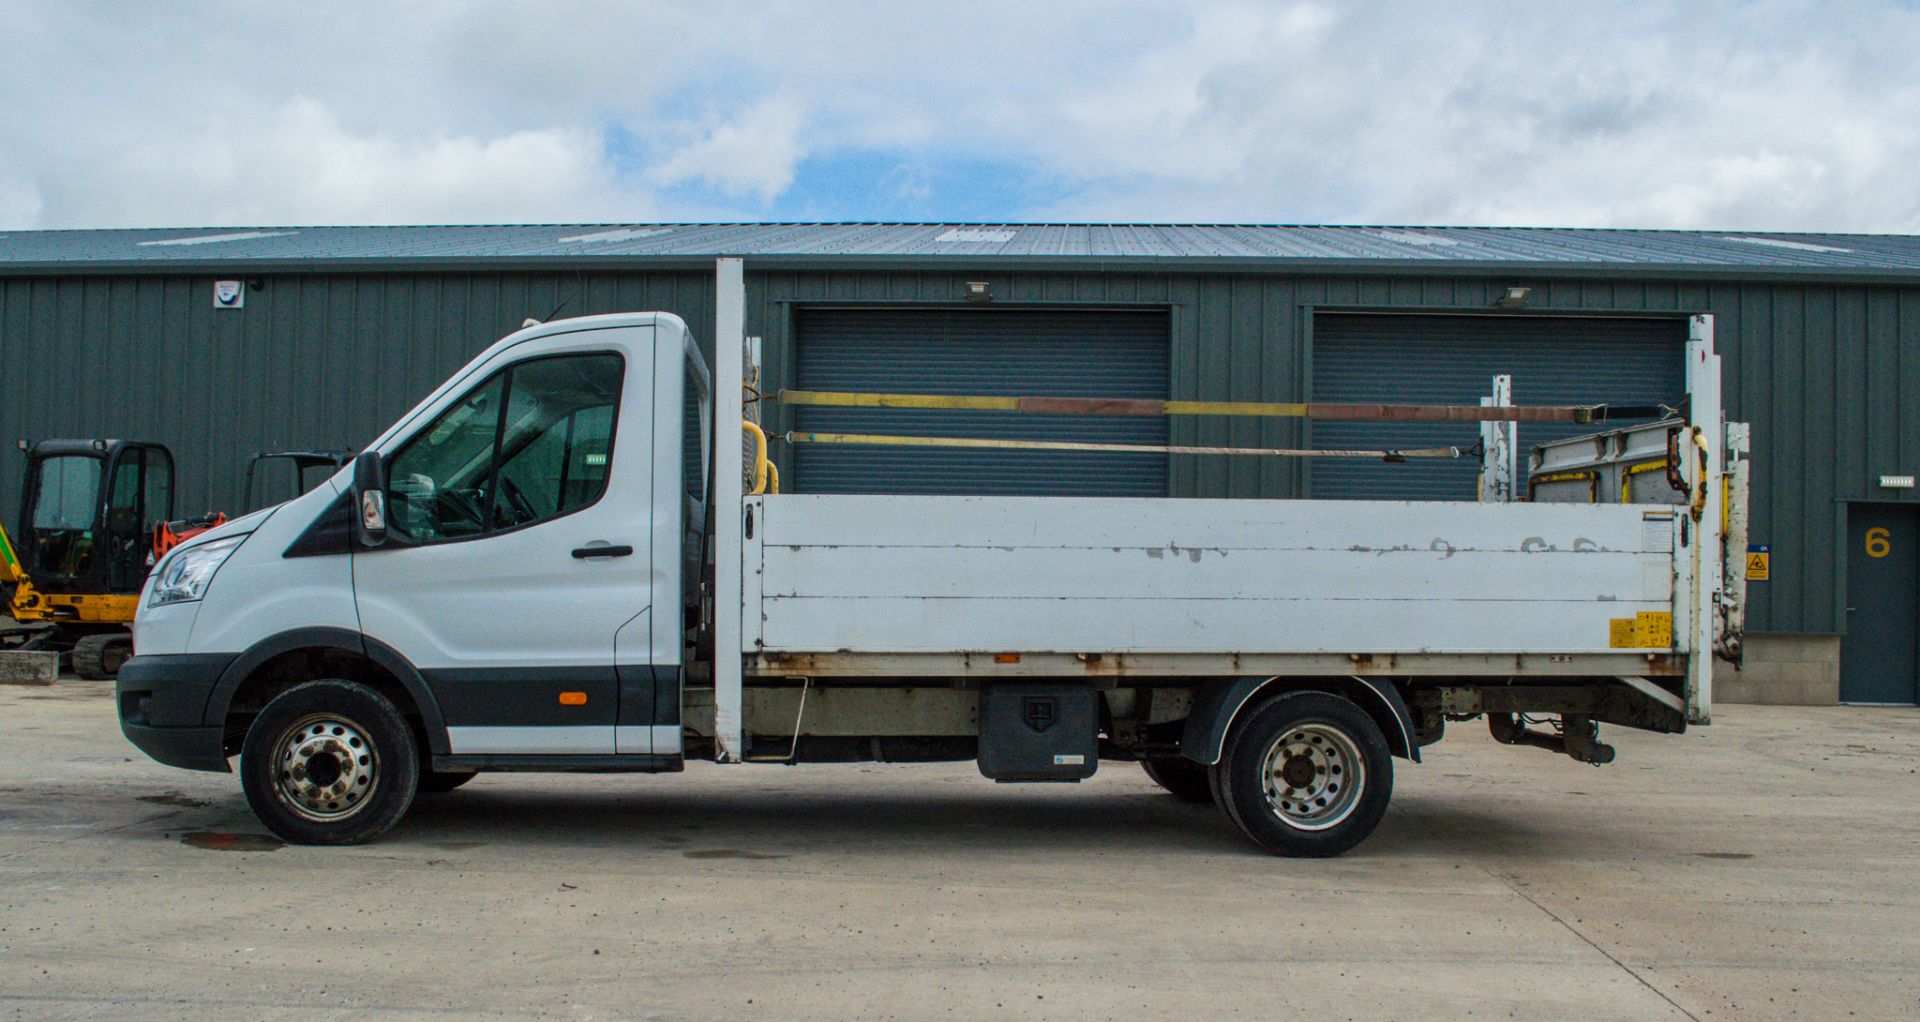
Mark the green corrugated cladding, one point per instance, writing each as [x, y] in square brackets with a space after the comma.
[1828, 374]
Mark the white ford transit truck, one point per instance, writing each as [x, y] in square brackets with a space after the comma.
[565, 559]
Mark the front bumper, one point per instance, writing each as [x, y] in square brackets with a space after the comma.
[163, 704]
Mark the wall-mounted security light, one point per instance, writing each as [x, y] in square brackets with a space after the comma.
[979, 291]
[1515, 298]
[1896, 482]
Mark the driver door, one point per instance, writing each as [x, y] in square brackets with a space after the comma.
[519, 522]
[140, 496]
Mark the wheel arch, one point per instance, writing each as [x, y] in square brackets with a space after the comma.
[1217, 706]
[263, 664]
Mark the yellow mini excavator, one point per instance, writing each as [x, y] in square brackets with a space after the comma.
[92, 513]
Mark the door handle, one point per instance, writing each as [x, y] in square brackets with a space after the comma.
[581, 553]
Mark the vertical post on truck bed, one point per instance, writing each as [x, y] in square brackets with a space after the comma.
[1702, 453]
[1499, 447]
[729, 353]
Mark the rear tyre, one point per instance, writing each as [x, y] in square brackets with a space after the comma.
[438, 782]
[1183, 778]
[100, 657]
[329, 763]
[1306, 774]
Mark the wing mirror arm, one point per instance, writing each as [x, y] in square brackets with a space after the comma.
[370, 499]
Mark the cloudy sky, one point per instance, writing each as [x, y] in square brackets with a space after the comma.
[1712, 114]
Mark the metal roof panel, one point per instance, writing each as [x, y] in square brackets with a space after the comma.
[1433, 247]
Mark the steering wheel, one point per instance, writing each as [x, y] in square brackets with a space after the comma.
[523, 508]
[461, 506]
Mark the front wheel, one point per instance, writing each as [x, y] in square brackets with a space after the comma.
[329, 763]
[1306, 774]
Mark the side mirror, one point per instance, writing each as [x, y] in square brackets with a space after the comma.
[370, 499]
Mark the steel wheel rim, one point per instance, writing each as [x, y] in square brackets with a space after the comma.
[324, 768]
[1313, 776]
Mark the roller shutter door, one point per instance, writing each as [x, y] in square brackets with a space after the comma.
[1102, 353]
[1413, 359]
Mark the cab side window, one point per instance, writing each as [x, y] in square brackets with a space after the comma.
[532, 443]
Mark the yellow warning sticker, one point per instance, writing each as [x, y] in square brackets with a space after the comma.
[1647, 629]
[1759, 562]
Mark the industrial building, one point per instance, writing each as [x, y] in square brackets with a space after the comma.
[220, 342]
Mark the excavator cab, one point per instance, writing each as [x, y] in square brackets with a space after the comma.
[276, 476]
[86, 524]
[85, 544]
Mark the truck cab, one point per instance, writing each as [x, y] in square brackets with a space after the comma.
[522, 605]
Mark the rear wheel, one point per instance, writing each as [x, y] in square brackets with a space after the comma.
[329, 763]
[1306, 774]
[100, 657]
[1185, 779]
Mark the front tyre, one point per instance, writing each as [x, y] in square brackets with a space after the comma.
[1306, 774]
[329, 763]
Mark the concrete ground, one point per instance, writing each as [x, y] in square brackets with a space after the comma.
[1761, 868]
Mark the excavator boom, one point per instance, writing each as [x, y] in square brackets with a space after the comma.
[11, 571]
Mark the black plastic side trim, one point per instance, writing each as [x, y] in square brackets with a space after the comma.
[266, 649]
[649, 695]
[525, 696]
[402, 668]
[329, 533]
[563, 764]
[667, 685]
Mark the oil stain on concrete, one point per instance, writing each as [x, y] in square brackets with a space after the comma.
[223, 841]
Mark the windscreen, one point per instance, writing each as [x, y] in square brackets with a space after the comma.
[61, 524]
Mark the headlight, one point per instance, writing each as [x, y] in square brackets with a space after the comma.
[185, 573]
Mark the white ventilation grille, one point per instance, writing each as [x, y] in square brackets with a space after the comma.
[1800, 246]
[215, 239]
[620, 234]
[975, 236]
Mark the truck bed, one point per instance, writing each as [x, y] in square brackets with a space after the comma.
[856, 575]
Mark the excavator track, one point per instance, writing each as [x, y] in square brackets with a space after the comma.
[99, 657]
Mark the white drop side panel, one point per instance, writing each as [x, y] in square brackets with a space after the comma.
[886, 574]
